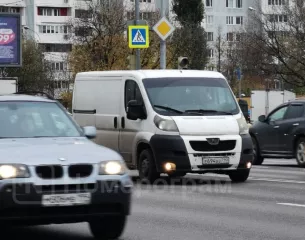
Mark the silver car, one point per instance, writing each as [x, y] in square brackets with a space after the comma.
[52, 172]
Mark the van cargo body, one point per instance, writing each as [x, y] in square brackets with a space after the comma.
[166, 121]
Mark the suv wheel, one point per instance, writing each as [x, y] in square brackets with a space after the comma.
[108, 228]
[257, 158]
[147, 167]
[300, 152]
[239, 175]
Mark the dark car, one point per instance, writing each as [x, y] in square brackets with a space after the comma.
[244, 108]
[281, 134]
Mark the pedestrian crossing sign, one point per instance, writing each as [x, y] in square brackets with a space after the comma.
[138, 36]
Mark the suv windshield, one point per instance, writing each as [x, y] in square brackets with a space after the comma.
[202, 96]
[35, 119]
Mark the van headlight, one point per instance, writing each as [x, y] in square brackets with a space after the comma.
[8, 171]
[243, 126]
[163, 124]
[112, 168]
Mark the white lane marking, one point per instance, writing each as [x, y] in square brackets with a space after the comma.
[258, 167]
[292, 204]
[277, 180]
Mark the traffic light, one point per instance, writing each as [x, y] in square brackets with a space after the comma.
[183, 63]
[131, 61]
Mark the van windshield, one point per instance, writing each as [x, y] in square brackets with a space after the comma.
[201, 96]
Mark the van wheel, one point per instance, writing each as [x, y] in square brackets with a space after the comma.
[108, 228]
[300, 152]
[257, 158]
[239, 175]
[147, 167]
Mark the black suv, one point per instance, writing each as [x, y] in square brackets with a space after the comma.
[281, 134]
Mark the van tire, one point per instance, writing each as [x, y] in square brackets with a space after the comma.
[239, 175]
[147, 167]
[111, 227]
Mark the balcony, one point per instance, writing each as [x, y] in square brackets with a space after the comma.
[53, 19]
[53, 38]
[54, 3]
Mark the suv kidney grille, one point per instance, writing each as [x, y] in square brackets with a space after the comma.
[80, 170]
[49, 171]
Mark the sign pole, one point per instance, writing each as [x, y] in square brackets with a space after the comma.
[162, 43]
[239, 76]
[138, 54]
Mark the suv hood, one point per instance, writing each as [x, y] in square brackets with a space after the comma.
[207, 125]
[39, 151]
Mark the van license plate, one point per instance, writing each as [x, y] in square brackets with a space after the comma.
[211, 160]
[66, 199]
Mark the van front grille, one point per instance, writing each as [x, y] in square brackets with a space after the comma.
[204, 146]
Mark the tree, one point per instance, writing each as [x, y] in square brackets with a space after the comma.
[189, 39]
[100, 41]
[280, 36]
[220, 47]
[36, 73]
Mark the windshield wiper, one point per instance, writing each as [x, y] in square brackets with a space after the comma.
[202, 111]
[168, 109]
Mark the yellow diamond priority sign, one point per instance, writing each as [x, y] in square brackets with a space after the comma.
[164, 28]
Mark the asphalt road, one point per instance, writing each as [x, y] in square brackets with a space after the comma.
[270, 205]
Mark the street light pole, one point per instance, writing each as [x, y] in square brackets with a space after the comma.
[162, 42]
[138, 54]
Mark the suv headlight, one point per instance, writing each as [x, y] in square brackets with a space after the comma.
[243, 126]
[168, 125]
[14, 171]
[112, 168]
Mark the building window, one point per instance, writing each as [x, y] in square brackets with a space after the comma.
[54, 29]
[61, 84]
[230, 37]
[278, 18]
[53, 11]
[234, 3]
[209, 3]
[230, 21]
[80, 13]
[9, 9]
[238, 37]
[47, 47]
[239, 20]
[209, 19]
[211, 53]
[239, 3]
[58, 66]
[210, 36]
[229, 3]
[277, 2]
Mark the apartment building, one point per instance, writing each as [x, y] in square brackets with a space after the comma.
[45, 21]
[224, 19]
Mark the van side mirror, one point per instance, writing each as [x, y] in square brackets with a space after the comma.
[90, 132]
[262, 118]
[135, 110]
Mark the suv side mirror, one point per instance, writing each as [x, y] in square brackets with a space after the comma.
[262, 118]
[135, 110]
[90, 132]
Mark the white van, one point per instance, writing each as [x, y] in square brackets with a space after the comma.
[166, 121]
